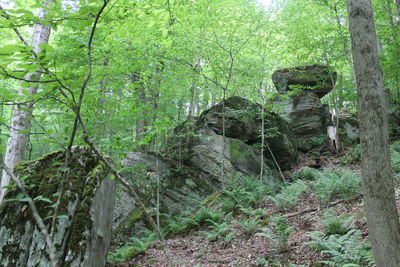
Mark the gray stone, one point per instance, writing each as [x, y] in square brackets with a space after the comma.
[83, 238]
[348, 127]
[313, 78]
[201, 159]
[302, 108]
[307, 117]
[243, 121]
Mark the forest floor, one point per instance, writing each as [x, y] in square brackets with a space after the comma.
[192, 248]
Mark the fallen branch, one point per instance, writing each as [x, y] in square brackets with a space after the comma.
[294, 214]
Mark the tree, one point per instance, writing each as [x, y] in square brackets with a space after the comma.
[21, 118]
[379, 195]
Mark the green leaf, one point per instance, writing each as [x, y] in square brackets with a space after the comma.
[10, 49]
[41, 198]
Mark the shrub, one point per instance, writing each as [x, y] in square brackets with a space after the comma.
[337, 183]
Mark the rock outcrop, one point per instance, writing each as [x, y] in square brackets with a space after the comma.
[314, 78]
[200, 159]
[83, 232]
[303, 109]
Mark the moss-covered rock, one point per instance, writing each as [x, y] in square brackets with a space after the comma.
[200, 160]
[314, 78]
[83, 232]
[303, 110]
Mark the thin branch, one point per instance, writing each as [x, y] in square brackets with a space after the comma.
[294, 214]
[7, 74]
[76, 121]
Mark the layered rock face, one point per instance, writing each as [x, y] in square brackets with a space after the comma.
[83, 232]
[305, 86]
[201, 159]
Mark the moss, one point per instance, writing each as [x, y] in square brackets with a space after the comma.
[234, 150]
[43, 177]
[83, 221]
[128, 224]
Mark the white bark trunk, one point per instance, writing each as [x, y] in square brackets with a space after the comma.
[20, 122]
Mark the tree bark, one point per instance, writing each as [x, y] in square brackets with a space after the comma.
[379, 196]
[398, 11]
[21, 117]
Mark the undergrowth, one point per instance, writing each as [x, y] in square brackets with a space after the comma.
[241, 204]
[344, 250]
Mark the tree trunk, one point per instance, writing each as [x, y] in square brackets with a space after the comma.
[398, 11]
[141, 123]
[379, 196]
[20, 121]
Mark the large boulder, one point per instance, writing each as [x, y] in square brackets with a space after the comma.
[307, 116]
[243, 121]
[82, 235]
[178, 188]
[302, 108]
[314, 78]
[201, 159]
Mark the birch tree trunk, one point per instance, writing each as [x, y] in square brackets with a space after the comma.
[21, 116]
[398, 11]
[379, 196]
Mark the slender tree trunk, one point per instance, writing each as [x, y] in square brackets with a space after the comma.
[193, 89]
[21, 117]
[142, 114]
[379, 196]
[398, 11]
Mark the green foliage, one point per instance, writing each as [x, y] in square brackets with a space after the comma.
[290, 195]
[344, 250]
[219, 231]
[305, 173]
[395, 156]
[260, 262]
[243, 192]
[179, 223]
[250, 226]
[337, 183]
[318, 141]
[127, 252]
[336, 225]
[352, 156]
[280, 233]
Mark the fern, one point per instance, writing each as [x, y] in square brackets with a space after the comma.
[344, 250]
[128, 251]
[250, 226]
[337, 225]
[305, 173]
[290, 195]
[337, 183]
[219, 231]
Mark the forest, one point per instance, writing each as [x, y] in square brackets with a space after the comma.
[200, 133]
